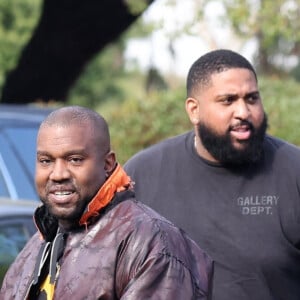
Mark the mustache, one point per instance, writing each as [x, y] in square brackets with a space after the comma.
[60, 187]
[242, 123]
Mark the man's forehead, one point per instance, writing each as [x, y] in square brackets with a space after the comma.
[62, 130]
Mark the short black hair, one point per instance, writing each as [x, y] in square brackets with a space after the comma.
[79, 115]
[214, 62]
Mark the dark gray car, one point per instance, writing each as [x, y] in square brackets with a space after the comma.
[18, 199]
[18, 129]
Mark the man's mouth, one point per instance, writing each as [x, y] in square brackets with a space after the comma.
[61, 195]
[242, 132]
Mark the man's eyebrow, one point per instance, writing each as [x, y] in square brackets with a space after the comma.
[233, 94]
[253, 93]
[41, 152]
[226, 95]
[67, 153]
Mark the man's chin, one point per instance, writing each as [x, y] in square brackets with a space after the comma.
[63, 213]
[240, 145]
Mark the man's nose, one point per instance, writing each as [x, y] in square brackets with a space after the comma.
[241, 110]
[60, 171]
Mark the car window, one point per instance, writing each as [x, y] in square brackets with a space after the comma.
[23, 142]
[3, 186]
[17, 162]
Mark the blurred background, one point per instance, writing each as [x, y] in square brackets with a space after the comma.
[129, 59]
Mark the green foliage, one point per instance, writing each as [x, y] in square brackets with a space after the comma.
[101, 79]
[141, 122]
[137, 119]
[17, 21]
[282, 101]
[106, 79]
[138, 122]
[296, 72]
[136, 7]
[274, 23]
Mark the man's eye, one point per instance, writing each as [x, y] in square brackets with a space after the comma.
[228, 100]
[253, 98]
[44, 161]
[76, 160]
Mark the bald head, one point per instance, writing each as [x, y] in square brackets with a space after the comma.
[81, 116]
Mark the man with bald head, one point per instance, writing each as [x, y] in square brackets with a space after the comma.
[94, 240]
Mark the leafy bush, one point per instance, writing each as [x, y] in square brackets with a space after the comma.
[281, 99]
[138, 123]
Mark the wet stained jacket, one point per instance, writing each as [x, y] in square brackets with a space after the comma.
[123, 250]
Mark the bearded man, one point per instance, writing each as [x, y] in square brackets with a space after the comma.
[233, 188]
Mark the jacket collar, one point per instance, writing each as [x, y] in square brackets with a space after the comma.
[118, 181]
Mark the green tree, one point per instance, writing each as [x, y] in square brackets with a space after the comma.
[275, 24]
[107, 77]
[17, 21]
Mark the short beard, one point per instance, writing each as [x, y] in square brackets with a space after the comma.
[222, 149]
[71, 215]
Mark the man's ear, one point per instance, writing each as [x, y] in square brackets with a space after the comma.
[110, 162]
[192, 108]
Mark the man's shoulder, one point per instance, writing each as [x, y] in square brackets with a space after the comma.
[139, 212]
[145, 233]
[145, 222]
[169, 145]
[166, 144]
[283, 147]
[143, 219]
